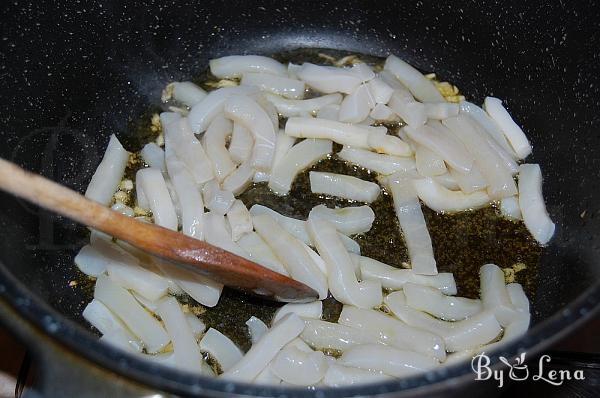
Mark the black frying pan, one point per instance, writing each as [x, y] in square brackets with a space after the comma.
[71, 73]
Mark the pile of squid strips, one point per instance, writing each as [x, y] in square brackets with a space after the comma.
[451, 156]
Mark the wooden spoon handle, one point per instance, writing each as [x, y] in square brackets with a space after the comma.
[178, 249]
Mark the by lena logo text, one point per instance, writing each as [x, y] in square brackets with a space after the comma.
[519, 371]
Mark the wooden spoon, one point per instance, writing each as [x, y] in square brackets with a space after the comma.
[178, 249]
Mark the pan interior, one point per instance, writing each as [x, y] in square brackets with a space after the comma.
[66, 90]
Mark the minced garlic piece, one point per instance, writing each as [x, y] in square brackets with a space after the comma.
[223, 83]
[160, 140]
[450, 92]
[126, 185]
[347, 60]
[167, 93]
[138, 211]
[155, 125]
[197, 310]
[121, 196]
[511, 273]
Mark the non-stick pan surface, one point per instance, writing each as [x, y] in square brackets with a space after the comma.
[72, 73]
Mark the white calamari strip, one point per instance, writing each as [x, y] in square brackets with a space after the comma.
[439, 198]
[380, 90]
[181, 140]
[413, 226]
[220, 234]
[297, 367]
[429, 163]
[221, 348]
[280, 85]
[509, 208]
[379, 163]
[391, 361]
[488, 124]
[186, 351]
[240, 179]
[215, 140]
[188, 196]
[329, 112]
[363, 71]
[469, 182]
[520, 323]
[267, 378]
[256, 328]
[298, 158]
[342, 133]
[513, 133]
[340, 271]
[315, 257]
[251, 115]
[203, 290]
[240, 146]
[421, 87]
[151, 183]
[505, 154]
[458, 336]
[216, 199]
[100, 317]
[196, 325]
[434, 302]
[409, 110]
[282, 146]
[441, 110]
[344, 186]
[297, 228]
[395, 278]
[125, 270]
[304, 310]
[347, 220]
[186, 93]
[356, 106]
[108, 174]
[90, 261]
[448, 181]
[531, 202]
[206, 110]
[321, 334]
[154, 156]
[130, 312]
[261, 353]
[490, 164]
[297, 107]
[239, 220]
[394, 331]
[384, 143]
[445, 145]
[383, 113]
[236, 65]
[290, 252]
[338, 375]
[329, 79]
[259, 252]
[494, 295]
